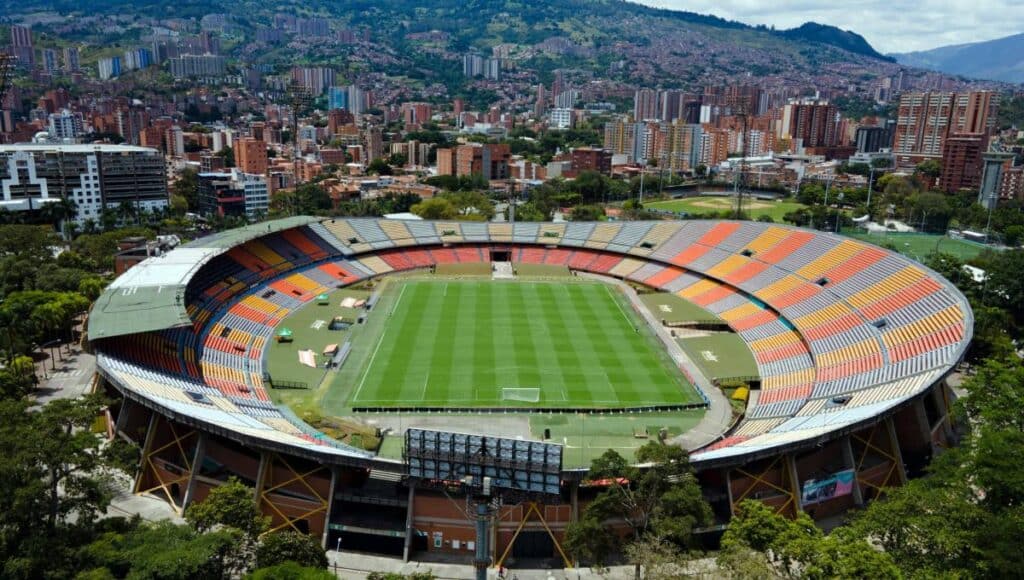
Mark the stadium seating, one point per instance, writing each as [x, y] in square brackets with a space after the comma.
[823, 315]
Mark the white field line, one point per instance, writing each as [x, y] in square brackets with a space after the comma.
[619, 306]
[366, 371]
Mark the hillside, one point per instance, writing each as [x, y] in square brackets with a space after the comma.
[1001, 59]
[613, 40]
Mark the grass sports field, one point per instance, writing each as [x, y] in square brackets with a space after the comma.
[755, 208]
[466, 344]
[919, 246]
[721, 356]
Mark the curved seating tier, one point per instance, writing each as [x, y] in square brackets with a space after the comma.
[839, 329]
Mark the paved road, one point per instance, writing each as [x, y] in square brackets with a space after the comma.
[72, 377]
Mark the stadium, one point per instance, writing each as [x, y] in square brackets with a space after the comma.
[455, 368]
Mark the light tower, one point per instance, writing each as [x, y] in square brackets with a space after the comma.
[300, 99]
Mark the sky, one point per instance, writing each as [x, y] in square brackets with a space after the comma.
[889, 25]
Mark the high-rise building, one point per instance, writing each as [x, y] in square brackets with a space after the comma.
[810, 124]
[315, 79]
[233, 193]
[109, 67]
[137, 58]
[65, 126]
[312, 27]
[925, 120]
[873, 139]
[50, 64]
[197, 65]
[489, 160]
[446, 161]
[93, 176]
[337, 98]
[21, 47]
[680, 147]
[416, 113]
[561, 118]
[619, 137]
[475, 65]
[251, 155]
[645, 105]
[590, 159]
[567, 99]
[961, 161]
[71, 60]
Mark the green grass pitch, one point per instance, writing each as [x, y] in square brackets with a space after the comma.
[461, 344]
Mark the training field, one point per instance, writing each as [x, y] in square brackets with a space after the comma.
[754, 208]
[469, 344]
[919, 246]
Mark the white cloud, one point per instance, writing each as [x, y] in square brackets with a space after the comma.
[889, 25]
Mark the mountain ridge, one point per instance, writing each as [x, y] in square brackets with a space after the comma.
[998, 59]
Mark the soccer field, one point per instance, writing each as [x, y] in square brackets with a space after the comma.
[466, 344]
[754, 208]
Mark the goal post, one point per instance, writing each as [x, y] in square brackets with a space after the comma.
[521, 394]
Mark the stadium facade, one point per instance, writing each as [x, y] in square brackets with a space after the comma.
[852, 342]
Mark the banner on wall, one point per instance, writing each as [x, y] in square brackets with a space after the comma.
[818, 490]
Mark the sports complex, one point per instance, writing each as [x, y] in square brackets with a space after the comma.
[392, 385]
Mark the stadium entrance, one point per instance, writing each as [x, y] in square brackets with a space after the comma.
[501, 254]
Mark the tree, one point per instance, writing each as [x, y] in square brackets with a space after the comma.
[587, 213]
[160, 550]
[757, 536]
[930, 168]
[471, 204]
[289, 546]
[186, 186]
[228, 155]
[291, 571]
[18, 378]
[661, 498]
[962, 519]
[656, 557]
[230, 504]
[55, 479]
[1013, 235]
[435, 208]
[379, 167]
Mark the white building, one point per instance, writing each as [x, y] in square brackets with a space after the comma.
[94, 177]
[65, 126]
[561, 118]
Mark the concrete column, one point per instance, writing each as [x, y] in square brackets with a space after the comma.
[330, 506]
[923, 424]
[728, 492]
[197, 462]
[122, 417]
[858, 496]
[794, 481]
[261, 476]
[146, 446]
[938, 395]
[894, 443]
[408, 523]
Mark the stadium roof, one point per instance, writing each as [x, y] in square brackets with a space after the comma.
[151, 296]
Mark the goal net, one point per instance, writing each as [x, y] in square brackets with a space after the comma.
[521, 394]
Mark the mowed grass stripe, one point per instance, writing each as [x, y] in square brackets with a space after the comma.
[459, 344]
